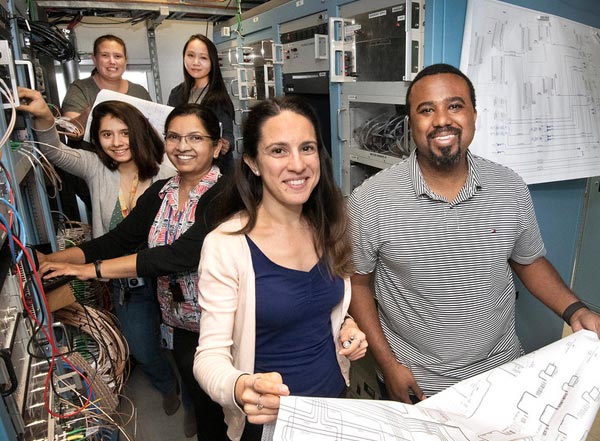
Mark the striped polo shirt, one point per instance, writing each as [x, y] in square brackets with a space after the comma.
[445, 292]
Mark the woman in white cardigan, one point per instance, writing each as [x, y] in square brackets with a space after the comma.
[274, 276]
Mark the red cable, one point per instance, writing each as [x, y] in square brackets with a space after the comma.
[49, 336]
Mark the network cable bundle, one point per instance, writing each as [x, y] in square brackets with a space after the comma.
[71, 233]
[48, 39]
[78, 359]
[383, 134]
[67, 370]
[63, 369]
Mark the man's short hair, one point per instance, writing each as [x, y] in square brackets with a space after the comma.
[436, 69]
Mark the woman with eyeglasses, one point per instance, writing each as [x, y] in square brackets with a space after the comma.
[123, 165]
[171, 218]
[203, 84]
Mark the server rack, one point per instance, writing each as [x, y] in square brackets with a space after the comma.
[334, 49]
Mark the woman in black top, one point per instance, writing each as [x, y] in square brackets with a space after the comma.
[203, 84]
[171, 218]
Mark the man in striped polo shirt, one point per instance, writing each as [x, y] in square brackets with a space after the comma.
[435, 238]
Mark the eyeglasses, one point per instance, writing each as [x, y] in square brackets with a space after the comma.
[192, 139]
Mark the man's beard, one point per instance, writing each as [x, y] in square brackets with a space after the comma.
[447, 159]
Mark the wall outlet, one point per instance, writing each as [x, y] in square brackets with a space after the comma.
[225, 31]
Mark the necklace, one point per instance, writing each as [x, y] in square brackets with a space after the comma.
[127, 204]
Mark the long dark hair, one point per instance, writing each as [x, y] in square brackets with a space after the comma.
[216, 96]
[146, 145]
[324, 210]
[108, 37]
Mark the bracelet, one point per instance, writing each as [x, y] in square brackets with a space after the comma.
[97, 267]
[572, 309]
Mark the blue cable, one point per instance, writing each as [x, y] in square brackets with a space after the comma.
[22, 231]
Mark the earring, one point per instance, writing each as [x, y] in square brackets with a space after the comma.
[256, 172]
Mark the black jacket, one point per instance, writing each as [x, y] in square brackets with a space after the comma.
[132, 234]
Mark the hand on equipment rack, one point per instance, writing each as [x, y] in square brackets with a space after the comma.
[33, 102]
[55, 269]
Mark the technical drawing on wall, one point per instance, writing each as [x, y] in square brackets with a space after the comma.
[550, 394]
[537, 81]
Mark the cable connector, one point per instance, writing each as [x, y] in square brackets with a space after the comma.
[66, 124]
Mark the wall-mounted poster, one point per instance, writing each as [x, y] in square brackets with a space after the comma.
[537, 79]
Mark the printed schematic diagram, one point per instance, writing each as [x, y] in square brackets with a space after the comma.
[362, 420]
[537, 82]
[550, 394]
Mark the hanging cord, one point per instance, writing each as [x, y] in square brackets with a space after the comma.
[239, 18]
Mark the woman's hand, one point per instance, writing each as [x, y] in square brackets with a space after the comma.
[33, 102]
[55, 269]
[353, 340]
[41, 257]
[258, 395]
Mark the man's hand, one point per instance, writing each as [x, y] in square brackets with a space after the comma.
[399, 382]
[586, 319]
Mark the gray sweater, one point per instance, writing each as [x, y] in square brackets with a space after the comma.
[103, 183]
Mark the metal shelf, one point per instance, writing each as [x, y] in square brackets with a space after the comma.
[373, 159]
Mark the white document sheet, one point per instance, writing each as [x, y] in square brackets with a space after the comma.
[156, 113]
[550, 394]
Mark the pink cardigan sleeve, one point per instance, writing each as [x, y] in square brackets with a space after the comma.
[227, 323]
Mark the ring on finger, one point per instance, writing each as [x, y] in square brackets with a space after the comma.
[259, 405]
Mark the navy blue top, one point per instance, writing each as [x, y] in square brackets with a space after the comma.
[293, 326]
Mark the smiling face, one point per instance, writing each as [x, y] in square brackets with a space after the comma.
[113, 136]
[197, 62]
[192, 157]
[442, 120]
[287, 160]
[110, 60]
